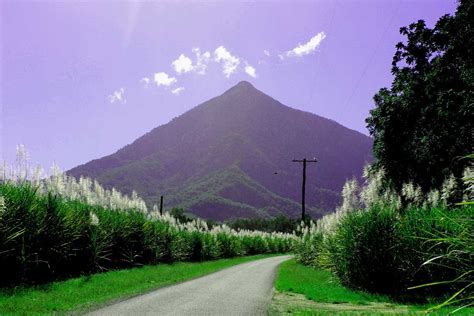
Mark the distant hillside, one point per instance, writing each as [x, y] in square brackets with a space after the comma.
[231, 157]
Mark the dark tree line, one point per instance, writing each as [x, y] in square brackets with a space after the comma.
[280, 223]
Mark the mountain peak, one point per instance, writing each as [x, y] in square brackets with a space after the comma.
[242, 85]
[241, 90]
[219, 159]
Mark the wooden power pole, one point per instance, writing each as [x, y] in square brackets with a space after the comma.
[161, 205]
[303, 188]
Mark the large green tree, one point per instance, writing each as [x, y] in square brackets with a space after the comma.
[424, 122]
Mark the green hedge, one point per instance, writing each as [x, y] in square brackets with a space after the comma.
[46, 237]
[384, 250]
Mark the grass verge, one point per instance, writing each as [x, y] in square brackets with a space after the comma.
[303, 290]
[89, 292]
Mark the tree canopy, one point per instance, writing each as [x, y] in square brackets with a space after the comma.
[422, 124]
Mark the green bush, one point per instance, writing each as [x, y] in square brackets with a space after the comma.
[366, 249]
[308, 250]
[444, 242]
[383, 251]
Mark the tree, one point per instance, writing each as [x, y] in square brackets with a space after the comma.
[423, 123]
[180, 215]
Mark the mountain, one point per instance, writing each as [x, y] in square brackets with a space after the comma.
[232, 156]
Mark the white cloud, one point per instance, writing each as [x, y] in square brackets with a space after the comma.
[266, 52]
[117, 96]
[163, 79]
[306, 49]
[177, 91]
[145, 81]
[183, 64]
[250, 71]
[201, 61]
[229, 62]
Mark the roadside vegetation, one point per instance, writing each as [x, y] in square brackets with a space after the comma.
[56, 227]
[407, 232]
[280, 223]
[304, 290]
[319, 285]
[412, 253]
[89, 292]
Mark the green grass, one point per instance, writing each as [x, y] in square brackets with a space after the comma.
[88, 292]
[321, 287]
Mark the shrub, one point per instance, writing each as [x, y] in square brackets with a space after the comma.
[446, 241]
[375, 244]
[365, 251]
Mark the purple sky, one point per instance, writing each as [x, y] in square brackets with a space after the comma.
[63, 64]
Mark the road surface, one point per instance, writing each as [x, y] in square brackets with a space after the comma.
[245, 289]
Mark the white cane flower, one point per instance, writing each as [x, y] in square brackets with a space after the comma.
[448, 188]
[2, 205]
[94, 219]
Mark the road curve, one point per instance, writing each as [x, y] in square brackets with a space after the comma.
[245, 289]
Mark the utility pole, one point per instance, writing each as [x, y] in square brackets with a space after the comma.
[303, 188]
[161, 205]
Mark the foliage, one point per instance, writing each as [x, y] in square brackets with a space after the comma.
[180, 215]
[319, 285]
[452, 254]
[332, 298]
[381, 251]
[458, 254]
[56, 227]
[365, 252]
[423, 123]
[375, 243]
[280, 223]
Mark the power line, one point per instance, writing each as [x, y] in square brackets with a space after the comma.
[369, 62]
[320, 56]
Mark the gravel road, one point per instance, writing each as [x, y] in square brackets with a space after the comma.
[245, 289]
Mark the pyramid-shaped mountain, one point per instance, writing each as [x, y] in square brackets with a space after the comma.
[232, 156]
